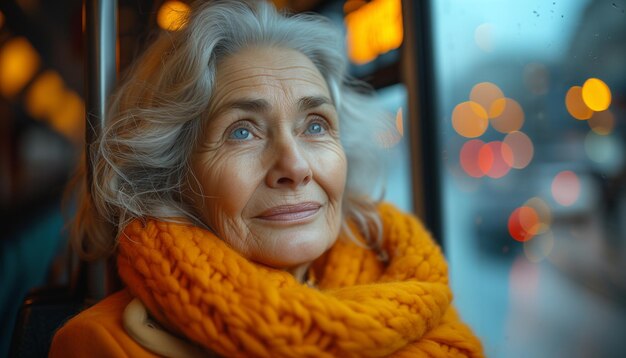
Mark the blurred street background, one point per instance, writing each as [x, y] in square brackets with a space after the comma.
[509, 142]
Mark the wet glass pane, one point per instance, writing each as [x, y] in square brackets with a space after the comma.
[532, 120]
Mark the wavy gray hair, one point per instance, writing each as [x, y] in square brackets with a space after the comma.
[140, 160]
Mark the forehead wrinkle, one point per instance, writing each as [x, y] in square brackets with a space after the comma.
[239, 79]
[278, 73]
[269, 69]
[272, 78]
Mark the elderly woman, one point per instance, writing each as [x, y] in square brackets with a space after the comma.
[233, 171]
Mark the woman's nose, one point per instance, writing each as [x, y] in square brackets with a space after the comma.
[290, 168]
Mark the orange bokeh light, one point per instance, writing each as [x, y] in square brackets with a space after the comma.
[45, 95]
[399, 122]
[69, 119]
[575, 104]
[596, 94]
[469, 119]
[374, 29]
[172, 15]
[602, 122]
[506, 115]
[469, 158]
[19, 62]
[566, 188]
[523, 223]
[485, 94]
[522, 149]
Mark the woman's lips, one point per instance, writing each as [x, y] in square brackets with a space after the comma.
[293, 212]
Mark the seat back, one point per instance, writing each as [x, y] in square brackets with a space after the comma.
[42, 313]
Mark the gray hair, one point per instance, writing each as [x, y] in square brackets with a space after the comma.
[140, 160]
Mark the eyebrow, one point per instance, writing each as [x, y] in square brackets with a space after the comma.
[309, 102]
[261, 105]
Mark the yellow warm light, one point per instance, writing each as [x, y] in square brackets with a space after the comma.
[18, 63]
[575, 104]
[49, 100]
[45, 95]
[596, 94]
[510, 115]
[486, 94]
[172, 15]
[374, 29]
[469, 119]
[69, 118]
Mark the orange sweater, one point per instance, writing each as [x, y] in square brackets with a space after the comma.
[198, 287]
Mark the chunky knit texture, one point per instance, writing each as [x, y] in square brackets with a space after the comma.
[197, 286]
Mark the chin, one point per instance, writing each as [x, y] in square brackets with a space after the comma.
[290, 253]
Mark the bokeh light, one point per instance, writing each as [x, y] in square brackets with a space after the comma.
[596, 94]
[1, 19]
[602, 123]
[522, 149]
[566, 188]
[469, 158]
[172, 15]
[374, 29]
[485, 94]
[543, 211]
[48, 99]
[506, 115]
[539, 248]
[399, 122]
[69, 119]
[523, 223]
[469, 119]
[45, 95]
[483, 36]
[575, 104]
[18, 63]
[493, 159]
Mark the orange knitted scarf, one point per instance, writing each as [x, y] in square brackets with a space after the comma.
[197, 286]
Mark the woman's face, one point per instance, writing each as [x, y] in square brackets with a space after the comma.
[270, 167]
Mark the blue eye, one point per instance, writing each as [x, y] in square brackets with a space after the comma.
[240, 133]
[315, 128]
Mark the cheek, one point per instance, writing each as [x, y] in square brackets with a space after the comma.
[227, 182]
[331, 170]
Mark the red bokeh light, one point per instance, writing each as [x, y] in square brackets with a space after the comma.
[494, 158]
[523, 223]
[469, 158]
